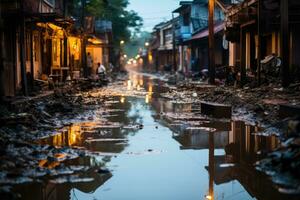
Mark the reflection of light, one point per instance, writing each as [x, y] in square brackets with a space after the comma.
[129, 85]
[122, 100]
[208, 197]
[147, 98]
[138, 87]
[141, 60]
[95, 41]
[57, 140]
[74, 135]
[74, 47]
[150, 57]
[150, 89]
[141, 82]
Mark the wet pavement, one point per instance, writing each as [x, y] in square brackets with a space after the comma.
[146, 147]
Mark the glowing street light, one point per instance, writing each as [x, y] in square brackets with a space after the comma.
[147, 44]
[122, 42]
[125, 56]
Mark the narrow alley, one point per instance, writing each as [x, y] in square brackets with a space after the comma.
[149, 100]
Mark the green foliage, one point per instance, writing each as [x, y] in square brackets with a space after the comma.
[124, 22]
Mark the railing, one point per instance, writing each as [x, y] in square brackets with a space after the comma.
[199, 24]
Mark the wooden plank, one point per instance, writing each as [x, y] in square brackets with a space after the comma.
[216, 110]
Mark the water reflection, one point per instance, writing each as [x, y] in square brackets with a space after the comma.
[241, 149]
[85, 182]
[203, 159]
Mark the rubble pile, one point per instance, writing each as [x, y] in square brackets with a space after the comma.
[284, 163]
[23, 122]
[262, 102]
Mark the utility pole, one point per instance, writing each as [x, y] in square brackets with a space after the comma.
[259, 18]
[211, 165]
[22, 51]
[174, 45]
[65, 63]
[211, 42]
[83, 45]
[31, 81]
[1, 59]
[285, 42]
[242, 57]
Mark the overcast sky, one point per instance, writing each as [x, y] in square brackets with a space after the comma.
[153, 11]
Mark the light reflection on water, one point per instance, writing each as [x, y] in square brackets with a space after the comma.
[193, 163]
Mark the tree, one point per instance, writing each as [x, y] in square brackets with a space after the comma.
[124, 22]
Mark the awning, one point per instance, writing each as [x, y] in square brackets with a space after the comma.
[204, 33]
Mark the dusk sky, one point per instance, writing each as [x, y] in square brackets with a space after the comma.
[153, 11]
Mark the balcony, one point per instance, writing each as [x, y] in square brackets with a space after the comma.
[183, 33]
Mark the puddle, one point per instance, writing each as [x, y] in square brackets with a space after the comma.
[157, 149]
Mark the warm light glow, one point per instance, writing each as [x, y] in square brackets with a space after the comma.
[95, 41]
[125, 56]
[141, 81]
[138, 87]
[75, 44]
[138, 56]
[150, 57]
[122, 100]
[147, 99]
[74, 135]
[147, 44]
[141, 61]
[129, 83]
[208, 197]
[134, 62]
[122, 42]
[150, 89]
[58, 30]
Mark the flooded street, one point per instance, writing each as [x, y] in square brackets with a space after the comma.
[149, 100]
[145, 147]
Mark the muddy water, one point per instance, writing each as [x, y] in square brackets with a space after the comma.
[163, 159]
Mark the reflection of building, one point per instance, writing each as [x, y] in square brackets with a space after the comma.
[242, 151]
[56, 191]
[197, 139]
[78, 134]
